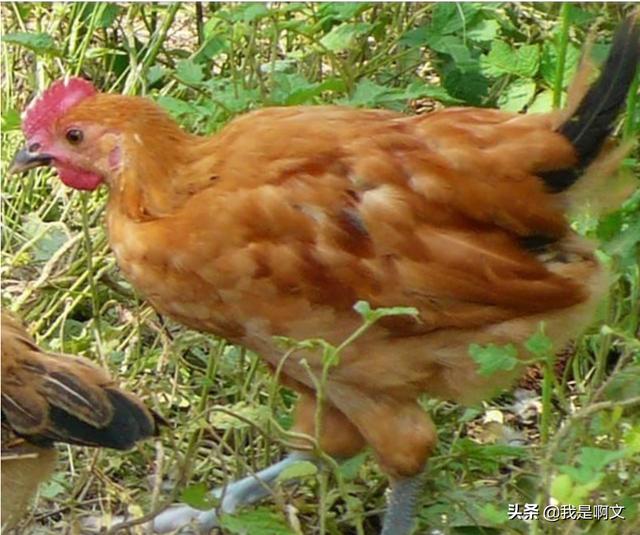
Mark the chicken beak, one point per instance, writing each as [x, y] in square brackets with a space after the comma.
[25, 160]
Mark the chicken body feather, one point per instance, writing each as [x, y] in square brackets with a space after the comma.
[313, 209]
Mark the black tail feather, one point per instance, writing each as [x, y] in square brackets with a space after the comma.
[592, 122]
[131, 422]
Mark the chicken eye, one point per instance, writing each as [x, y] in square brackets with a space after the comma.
[74, 136]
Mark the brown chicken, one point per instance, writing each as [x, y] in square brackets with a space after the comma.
[48, 398]
[279, 223]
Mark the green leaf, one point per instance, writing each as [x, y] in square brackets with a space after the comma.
[485, 30]
[373, 314]
[494, 515]
[108, 16]
[343, 36]
[542, 103]
[248, 412]
[562, 488]
[350, 468]
[468, 86]
[46, 238]
[527, 61]
[211, 48]
[451, 17]
[626, 243]
[155, 74]
[175, 106]
[597, 458]
[298, 470]
[502, 59]
[549, 60]
[539, 344]
[54, 487]
[517, 95]
[39, 42]
[366, 93]
[418, 89]
[255, 12]
[342, 10]
[492, 358]
[11, 120]
[198, 496]
[189, 72]
[260, 521]
[624, 384]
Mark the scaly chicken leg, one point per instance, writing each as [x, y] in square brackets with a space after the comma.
[246, 491]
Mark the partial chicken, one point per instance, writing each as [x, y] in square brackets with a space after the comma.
[48, 398]
[279, 223]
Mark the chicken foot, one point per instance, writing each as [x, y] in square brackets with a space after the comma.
[246, 491]
[399, 519]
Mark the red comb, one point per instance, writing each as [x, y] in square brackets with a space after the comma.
[54, 102]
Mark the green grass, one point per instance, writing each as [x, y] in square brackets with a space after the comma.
[208, 64]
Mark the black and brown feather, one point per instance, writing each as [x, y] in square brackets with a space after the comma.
[49, 398]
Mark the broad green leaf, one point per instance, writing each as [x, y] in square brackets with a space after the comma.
[175, 106]
[366, 93]
[260, 521]
[503, 59]
[248, 412]
[542, 103]
[420, 89]
[189, 72]
[155, 73]
[46, 237]
[457, 49]
[527, 61]
[492, 358]
[626, 243]
[54, 487]
[539, 344]
[450, 17]
[39, 42]
[210, 49]
[342, 10]
[562, 488]
[416, 36]
[485, 30]
[499, 60]
[343, 36]
[549, 60]
[198, 496]
[305, 94]
[255, 12]
[494, 514]
[597, 458]
[298, 470]
[468, 86]
[109, 14]
[350, 468]
[624, 385]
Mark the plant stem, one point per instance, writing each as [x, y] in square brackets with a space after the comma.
[562, 54]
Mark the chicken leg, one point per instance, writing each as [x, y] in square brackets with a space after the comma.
[246, 491]
[399, 519]
[400, 516]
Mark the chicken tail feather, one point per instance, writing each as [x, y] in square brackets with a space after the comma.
[130, 423]
[592, 122]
